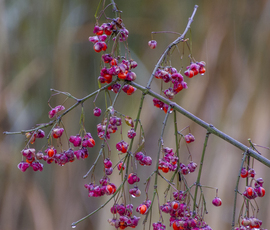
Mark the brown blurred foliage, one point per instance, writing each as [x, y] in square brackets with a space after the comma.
[44, 44]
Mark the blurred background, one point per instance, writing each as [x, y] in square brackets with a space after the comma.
[44, 44]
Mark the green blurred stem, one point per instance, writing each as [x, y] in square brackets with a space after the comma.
[200, 173]
[158, 155]
[236, 188]
[176, 151]
[174, 43]
[209, 127]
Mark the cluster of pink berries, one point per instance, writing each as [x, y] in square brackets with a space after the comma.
[122, 146]
[186, 169]
[108, 166]
[250, 172]
[58, 158]
[32, 158]
[122, 70]
[161, 105]
[170, 74]
[159, 226]
[55, 111]
[252, 192]
[181, 216]
[143, 159]
[169, 162]
[249, 223]
[106, 29]
[29, 154]
[25, 165]
[105, 187]
[195, 68]
[35, 134]
[133, 178]
[50, 154]
[114, 122]
[116, 67]
[189, 223]
[86, 141]
[125, 216]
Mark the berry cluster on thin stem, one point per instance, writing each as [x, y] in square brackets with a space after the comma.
[191, 217]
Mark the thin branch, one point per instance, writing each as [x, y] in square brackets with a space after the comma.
[199, 173]
[236, 189]
[157, 164]
[209, 127]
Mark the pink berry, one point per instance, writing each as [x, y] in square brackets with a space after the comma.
[122, 146]
[135, 192]
[251, 173]
[192, 166]
[131, 133]
[147, 160]
[152, 44]
[99, 46]
[259, 182]
[189, 138]
[40, 133]
[97, 112]
[107, 163]
[93, 39]
[260, 191]
[108, 171]
[59, 108]
[121, 165]
[139, 156]
[131, 76]
[52, 113]
[244, 172]
[217, 201]
[133, 178]
[57, 132]
[23, 166]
